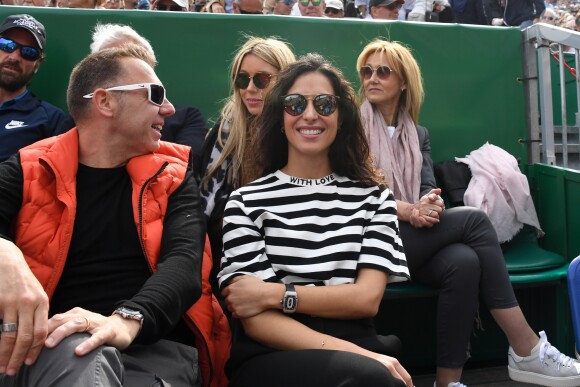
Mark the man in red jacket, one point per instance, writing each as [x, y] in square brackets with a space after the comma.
[103, 243]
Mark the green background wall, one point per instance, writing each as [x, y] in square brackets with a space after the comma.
[470, 72]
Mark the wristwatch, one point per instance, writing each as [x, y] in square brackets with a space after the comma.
[290, 299]
[130, 314]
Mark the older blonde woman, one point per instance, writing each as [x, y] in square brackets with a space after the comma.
[455, 250]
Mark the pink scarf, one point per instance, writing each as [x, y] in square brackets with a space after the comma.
[399, 157]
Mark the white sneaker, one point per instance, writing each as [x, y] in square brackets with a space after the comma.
[454, 384]
[545, 366]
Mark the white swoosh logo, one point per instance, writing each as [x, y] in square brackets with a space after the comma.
[11, 125]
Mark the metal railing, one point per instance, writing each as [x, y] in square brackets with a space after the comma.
[540, 42]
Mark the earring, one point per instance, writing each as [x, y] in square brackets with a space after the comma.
[282, 129]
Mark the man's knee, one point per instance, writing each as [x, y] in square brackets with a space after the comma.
[100, 367]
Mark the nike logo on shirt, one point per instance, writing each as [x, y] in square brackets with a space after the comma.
[15, 124]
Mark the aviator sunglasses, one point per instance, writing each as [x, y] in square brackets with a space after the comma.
[383, 72]
[295, 104]
[305, 3]
[155, 92]
[26, 52]
[261, 80]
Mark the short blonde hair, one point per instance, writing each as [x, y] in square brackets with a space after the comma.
[402, 62]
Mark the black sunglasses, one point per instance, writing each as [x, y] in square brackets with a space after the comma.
[383, 72]
[295, 104]
[261, 80]
[26, 52]
[155, 92]
[332, 10]
[173, 7]
[243, 12]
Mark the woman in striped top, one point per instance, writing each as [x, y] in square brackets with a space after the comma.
[310, 246]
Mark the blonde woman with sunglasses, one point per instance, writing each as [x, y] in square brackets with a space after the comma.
[309, 246]
[456, 250]
[227, 159]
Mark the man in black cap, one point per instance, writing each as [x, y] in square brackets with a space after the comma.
[24, 119]
[384, 9]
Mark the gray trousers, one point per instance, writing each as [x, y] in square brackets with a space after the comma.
[165, 363]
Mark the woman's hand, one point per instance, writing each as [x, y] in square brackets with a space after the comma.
[427, 211]
[247, 296]
[114, 330]
[394, 367]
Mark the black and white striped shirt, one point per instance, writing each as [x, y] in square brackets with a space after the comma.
[311, 232]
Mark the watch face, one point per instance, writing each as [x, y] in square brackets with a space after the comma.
[290, 302]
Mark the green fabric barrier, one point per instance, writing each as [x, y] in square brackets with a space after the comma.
[470, 72]
[556, 191]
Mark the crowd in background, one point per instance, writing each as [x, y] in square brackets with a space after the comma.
[562, 13]
[565, 14]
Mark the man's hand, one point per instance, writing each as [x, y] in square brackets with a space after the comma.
[24, 302]
[114, 330]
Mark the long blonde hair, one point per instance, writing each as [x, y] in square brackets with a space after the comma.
[405, 65]
[235, 118]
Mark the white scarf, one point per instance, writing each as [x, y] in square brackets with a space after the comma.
[399, 157]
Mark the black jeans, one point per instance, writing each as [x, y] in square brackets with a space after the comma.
[462, 257]
[313, 368]
[254, 365]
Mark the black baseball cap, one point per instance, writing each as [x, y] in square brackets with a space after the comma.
[374, 3]
[28, 23]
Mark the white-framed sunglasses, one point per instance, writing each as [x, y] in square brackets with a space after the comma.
[155, 92]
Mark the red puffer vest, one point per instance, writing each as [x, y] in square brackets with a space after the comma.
[45, 223]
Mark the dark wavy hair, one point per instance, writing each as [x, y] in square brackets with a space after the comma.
[349, 153]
